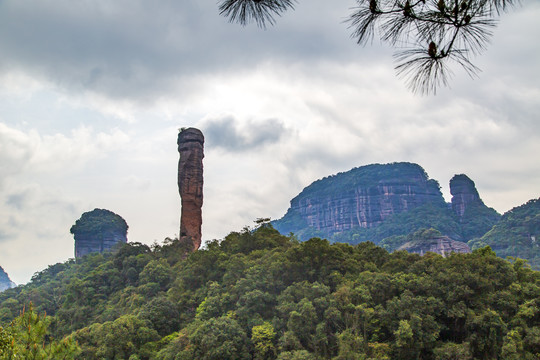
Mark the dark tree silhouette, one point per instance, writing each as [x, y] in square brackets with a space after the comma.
[429, 35]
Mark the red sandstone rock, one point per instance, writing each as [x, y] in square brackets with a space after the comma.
[190, 184]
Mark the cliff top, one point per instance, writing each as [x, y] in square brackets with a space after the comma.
[99, 221]
[369, 176]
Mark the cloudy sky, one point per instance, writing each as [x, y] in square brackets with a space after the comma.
[92, 94]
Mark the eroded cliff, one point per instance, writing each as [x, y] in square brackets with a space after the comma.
[363, 197]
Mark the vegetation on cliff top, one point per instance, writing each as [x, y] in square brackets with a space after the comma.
[99, 221]
[261, 295]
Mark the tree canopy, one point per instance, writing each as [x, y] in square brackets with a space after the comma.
[260, 295]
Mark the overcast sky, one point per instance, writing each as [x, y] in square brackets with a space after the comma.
[92, 94]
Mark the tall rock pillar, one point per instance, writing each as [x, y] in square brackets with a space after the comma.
[190, 184]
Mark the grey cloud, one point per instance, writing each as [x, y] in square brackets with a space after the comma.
[139, 51]
[226, 133]
[17, 200]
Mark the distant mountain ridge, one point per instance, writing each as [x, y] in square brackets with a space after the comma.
[5, 281]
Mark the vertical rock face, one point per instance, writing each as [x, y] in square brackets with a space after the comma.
[99, 230]
[363, 197]
[464, 194]
[190, 184]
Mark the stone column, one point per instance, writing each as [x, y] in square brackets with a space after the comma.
[190, 184]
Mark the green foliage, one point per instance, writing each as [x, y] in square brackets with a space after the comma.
[263, 338]
[98, 221]
[28, 338]
[219, 339]
[260, 295]
[517, 234]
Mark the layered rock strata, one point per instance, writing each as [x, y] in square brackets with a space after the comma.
[190, 184]
[442, 245]
[361, 198]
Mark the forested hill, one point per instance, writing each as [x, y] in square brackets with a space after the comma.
[261, 295]
[516, 234]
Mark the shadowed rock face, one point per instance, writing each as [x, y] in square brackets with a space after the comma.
[363, 197]
[98, 231]
[190, 184]
[464, 194]
[5, 281]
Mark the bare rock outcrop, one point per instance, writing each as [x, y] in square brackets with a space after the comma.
[190, 184]
[430, 240]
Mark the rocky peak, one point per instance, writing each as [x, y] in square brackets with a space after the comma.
[5, 281]
[464, 194]
[190, 184]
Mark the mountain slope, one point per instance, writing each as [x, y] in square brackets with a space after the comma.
[517, 234]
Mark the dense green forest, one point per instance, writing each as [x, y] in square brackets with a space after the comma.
[261, 295]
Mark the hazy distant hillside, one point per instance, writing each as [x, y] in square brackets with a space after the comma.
[516, 234]
[5, 281]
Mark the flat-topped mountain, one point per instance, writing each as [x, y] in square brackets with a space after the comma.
[378, 201]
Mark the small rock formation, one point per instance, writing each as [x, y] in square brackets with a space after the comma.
[464, 194]
[98, 231]
[431, 240]
[190, 184]
[5, 281]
